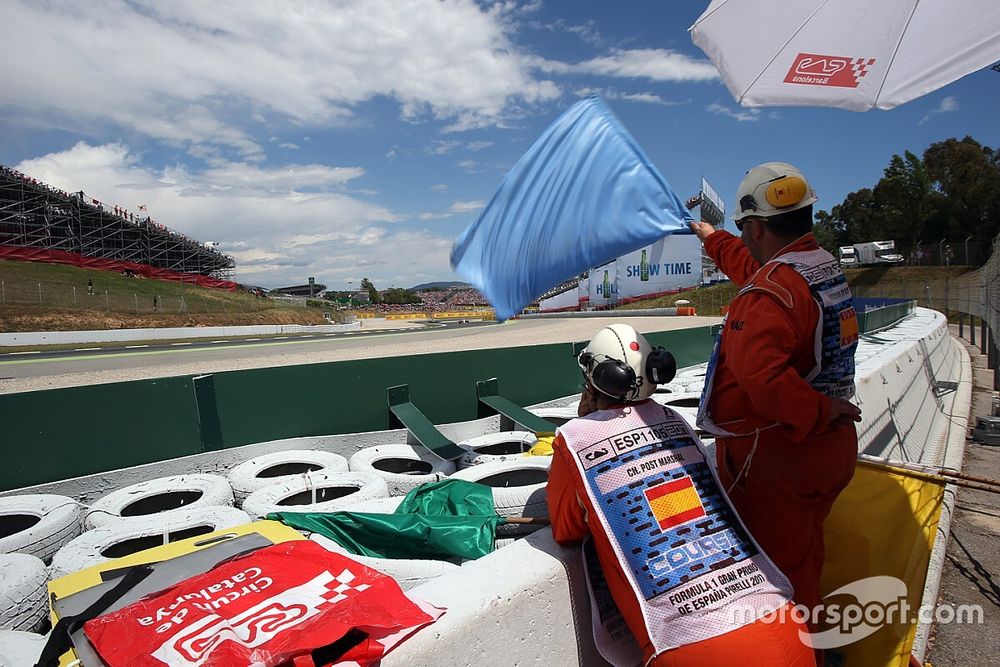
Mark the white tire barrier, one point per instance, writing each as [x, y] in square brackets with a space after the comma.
[685, 400]
[18, 649]
[159, 496]
[386, 505]
[408, 572]
[403, 467]
[23, 598]
[316, 492]
[37, 524]
[261, 471]
[669, 388]
[556, 416]
[126, 537]
[518, 489]
[505, 446]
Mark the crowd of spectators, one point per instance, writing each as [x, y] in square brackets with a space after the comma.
[435, 301]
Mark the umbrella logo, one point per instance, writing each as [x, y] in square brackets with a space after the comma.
[818, 70]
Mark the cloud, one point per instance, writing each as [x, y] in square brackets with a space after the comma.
[947, 105]
[281, 224]
[187, 73]
[652, 64]
[612, 94]
[440, 187]
[742, 115]
[466, 206]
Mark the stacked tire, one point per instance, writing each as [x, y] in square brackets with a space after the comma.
[495, 447]
[280, 467]
[23, 582]
[518, 489]
[403, 467]
[37, 524]
[124, 537]
[159, 496]
[316, 492]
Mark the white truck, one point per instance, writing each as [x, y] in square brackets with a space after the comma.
[871, 253]
[847, 258]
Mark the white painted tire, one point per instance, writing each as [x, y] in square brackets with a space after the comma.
[159, 496]
[685, 400]
[556, 416]
[669, 388]
[376, 505]
[493, 447]
[129, 536]
[403, 467]
[408, 572]
[518, 489]
[502, 542]
[38, 524]
[333, 491]
[277, 467]
[23, 584]
[19, 649]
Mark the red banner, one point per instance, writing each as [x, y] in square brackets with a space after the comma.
[276, 605]
[51, 256]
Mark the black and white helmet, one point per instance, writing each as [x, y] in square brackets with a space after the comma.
[620, 363]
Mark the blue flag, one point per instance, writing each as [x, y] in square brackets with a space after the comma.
[584, 194]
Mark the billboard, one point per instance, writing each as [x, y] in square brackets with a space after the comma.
[566, 300]
[602, 288]
[669, 264]
[713, 209]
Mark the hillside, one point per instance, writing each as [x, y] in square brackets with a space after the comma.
[48, 297]
[924, 283]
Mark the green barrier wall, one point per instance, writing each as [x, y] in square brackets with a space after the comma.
[880, 318]
[62, 433]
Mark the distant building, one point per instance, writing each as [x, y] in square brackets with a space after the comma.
[300, 290]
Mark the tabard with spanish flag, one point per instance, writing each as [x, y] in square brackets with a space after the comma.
[674, 502]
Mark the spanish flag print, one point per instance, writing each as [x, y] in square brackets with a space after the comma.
[848, 327]
[675, 502]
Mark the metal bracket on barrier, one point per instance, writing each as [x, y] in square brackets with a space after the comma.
[209, 425]
[491, 403]
[404, 414]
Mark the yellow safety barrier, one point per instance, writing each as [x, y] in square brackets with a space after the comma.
[406, 316]
[468, 315]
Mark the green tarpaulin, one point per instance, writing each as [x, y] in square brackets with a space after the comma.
[436, 520]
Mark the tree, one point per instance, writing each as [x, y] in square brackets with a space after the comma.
[373, 295]
[825, 232]
[966, 175]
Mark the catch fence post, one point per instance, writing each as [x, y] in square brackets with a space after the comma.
[39, 294]
[107, 301]
[961, 324]
[3, 291]
[75, 303]
[982, 335]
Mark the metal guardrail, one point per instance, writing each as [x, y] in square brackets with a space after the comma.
[876, 314]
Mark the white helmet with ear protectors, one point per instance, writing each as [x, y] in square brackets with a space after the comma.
[620, 363]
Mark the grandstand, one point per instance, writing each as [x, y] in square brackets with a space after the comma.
[42, 223]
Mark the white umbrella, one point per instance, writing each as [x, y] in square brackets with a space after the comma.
[851, 54]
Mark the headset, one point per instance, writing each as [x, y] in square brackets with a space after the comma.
[617, 379]
[781, 192]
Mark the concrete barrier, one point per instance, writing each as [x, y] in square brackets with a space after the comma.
[172, 333]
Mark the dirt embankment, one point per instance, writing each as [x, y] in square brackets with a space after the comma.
[15, 318]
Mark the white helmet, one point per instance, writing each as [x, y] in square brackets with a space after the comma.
[773, 188]
[620, 364]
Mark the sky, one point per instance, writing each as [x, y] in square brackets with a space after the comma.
[349, 139]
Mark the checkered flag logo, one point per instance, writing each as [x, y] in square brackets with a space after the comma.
[860, 67]
[341, 588]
